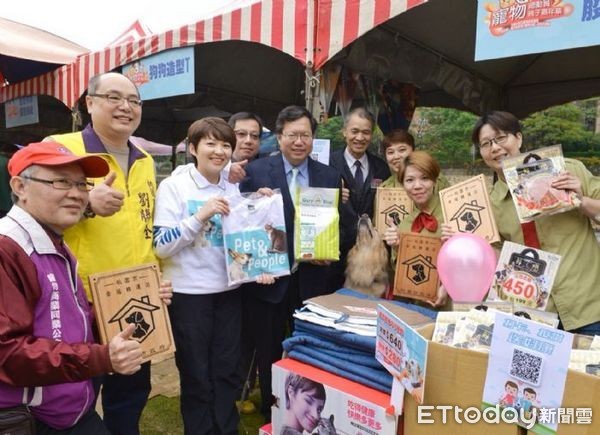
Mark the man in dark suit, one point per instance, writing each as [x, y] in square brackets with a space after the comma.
[273, 304]
[362, 172]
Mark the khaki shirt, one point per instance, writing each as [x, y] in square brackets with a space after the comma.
[576, 291]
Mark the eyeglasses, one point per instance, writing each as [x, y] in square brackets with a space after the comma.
[241, 134]
[64, 184]
[498, 140]
[304, 137]
[116, 100]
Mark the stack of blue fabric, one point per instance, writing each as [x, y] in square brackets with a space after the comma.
[345, 354]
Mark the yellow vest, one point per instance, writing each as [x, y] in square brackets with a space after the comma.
[124, 239]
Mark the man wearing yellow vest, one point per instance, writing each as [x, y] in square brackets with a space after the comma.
[116, 231]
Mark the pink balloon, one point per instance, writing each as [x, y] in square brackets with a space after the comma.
[466, 264]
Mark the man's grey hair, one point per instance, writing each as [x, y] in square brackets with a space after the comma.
[27, 172]
[363, 113]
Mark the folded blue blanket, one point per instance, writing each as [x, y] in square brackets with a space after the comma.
[297, 355]
[342, 338]
[375, 374]
[349, 355]
[345, 354]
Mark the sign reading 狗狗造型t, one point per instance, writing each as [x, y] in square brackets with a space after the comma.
[164, 74]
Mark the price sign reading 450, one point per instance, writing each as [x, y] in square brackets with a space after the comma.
[522, 285]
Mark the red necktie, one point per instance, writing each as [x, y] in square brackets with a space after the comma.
[424, 220]
[530, 236]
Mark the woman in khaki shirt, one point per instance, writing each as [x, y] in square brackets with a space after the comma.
[576, 291]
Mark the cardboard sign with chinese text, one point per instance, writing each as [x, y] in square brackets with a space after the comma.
[527, 370]
[466, 206]
[126, 296]
[402, 351]
[392, 206]
[350, 407]
[524, 276]
[416, 268]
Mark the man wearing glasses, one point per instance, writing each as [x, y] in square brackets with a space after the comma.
[117, 230]
[47, 346]
[273, 304]
[247, 127]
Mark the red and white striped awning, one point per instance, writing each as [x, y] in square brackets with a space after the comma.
[312, 31]
[340, 22]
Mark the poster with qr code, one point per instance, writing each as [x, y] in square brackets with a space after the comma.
[527, 371]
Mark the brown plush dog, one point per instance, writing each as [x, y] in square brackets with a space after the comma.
[367, 264]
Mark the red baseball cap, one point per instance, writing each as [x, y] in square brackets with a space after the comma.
[55, 154]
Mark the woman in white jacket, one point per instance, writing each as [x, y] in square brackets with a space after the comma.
[206, 311]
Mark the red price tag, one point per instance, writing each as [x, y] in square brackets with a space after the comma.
[520, 284]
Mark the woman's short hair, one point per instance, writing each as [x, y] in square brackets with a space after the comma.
[300, 383]
[210, 127]
[499, 121]
[396, 137]
[424, 162]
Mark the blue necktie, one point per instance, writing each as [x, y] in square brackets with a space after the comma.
[293, 186]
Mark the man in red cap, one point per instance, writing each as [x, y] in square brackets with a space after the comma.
[47, 347]
[117, 230]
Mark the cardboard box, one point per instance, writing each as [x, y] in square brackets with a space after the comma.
[356, 409]
[581, 391]
[453, 377]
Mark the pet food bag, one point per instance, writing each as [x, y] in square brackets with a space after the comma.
[316, 226]
[254, 237]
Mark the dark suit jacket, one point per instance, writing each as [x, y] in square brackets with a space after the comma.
[361, 199]
[270, 172]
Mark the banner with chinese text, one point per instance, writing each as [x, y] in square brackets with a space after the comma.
[165, 74]
[515, 27]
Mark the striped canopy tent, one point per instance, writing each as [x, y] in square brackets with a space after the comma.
[290, 26]
[259, 57]
[432, 47]
[282, 25]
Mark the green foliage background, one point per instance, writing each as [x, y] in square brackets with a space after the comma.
[446, 133]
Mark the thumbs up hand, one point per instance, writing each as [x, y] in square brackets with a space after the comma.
[104, 199]
[345, 193]
[125, 354]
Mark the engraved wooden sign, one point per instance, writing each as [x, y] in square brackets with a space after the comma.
[130, 295]
[392, 206]
[466, 206]
[416, 268]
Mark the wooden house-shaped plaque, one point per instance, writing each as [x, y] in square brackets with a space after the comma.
[392, 207]
[416, 267]
[466, 206]
[126, 296]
